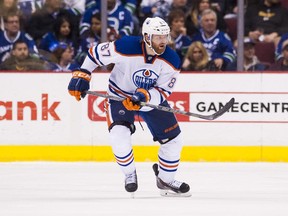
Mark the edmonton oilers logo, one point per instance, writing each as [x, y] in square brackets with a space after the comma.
[144, 78]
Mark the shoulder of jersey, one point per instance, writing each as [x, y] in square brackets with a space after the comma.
[171, 57]
[129, 45]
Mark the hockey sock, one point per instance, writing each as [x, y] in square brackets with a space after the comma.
[120, 140]
[169, 157]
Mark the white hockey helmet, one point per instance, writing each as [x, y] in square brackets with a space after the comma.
[154, 26]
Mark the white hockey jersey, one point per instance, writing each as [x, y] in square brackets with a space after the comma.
[134, 68]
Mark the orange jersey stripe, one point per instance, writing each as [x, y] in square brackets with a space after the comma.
[91, 52]
[168, 166]
[107, 108]
[124, 161]
[162, 93]
[119, 92]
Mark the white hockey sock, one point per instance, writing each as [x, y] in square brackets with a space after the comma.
[120, 140]
[169, 158]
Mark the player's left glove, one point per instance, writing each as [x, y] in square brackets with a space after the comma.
[79, 83]
[133, 103]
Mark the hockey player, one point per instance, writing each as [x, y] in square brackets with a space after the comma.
[145, 70]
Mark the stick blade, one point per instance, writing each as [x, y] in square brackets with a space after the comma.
[224, 109]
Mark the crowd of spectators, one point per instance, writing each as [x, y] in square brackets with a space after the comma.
[56, 34]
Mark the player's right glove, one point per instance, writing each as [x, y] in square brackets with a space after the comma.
[79, 83]
[133, 103]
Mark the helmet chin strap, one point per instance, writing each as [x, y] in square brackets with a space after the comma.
[150, 46]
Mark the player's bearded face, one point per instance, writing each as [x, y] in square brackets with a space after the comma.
[159, 42]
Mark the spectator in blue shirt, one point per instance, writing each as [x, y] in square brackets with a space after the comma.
[93, 37]
[193, 19]
[278, 52]
[11, 34]
[62, 59]
[119, 18]
[217, 43]
[282, 63]
[63, 32]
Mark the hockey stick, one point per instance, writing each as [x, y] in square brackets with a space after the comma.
[213, 116]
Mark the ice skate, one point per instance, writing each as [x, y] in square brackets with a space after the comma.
[131, 184]
[174, 188]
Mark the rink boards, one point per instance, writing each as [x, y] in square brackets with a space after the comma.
[41, 121]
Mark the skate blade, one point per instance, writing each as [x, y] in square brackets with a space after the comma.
[132, 194]
[168, 193]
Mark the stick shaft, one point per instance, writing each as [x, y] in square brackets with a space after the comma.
[168, 109]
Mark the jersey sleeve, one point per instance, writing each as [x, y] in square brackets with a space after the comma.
[100, 55]
[127, 25]
[131, 6]
[228, 50]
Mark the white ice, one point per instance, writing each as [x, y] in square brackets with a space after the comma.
[96, 189]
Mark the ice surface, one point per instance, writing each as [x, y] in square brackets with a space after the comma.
[97, 189]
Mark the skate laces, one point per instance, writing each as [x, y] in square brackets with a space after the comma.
[175, 184]
[131, 178]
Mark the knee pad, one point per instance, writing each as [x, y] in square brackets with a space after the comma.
[120, 139]
[172, 148]
[164, 141]
[123, 123]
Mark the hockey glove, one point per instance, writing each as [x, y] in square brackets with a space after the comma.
[79, 83]
[133, 103]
